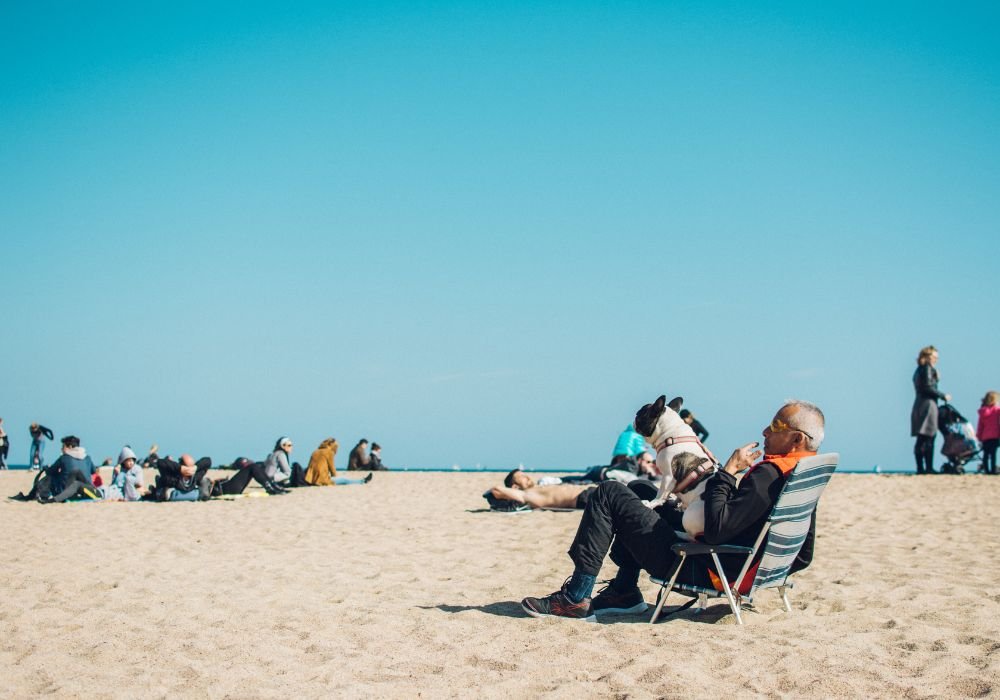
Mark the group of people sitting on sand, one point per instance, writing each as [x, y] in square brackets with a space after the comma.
[74, 476]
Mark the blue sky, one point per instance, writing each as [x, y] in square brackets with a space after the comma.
[488, 234]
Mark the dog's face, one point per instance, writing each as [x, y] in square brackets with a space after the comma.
[646, 417]
[649, 415]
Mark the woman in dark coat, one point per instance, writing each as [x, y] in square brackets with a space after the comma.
[924, 416]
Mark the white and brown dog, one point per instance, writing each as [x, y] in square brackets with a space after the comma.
[683, 461]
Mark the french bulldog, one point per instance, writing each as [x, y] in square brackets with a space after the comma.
[681, 458]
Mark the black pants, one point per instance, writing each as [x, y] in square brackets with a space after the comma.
[923, 452]
[238, 482]
[3, 454]
[990, 456]
[616, 520]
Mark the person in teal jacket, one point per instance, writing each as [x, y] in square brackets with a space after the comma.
[630, 444]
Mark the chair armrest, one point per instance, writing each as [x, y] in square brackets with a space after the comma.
[694, 548]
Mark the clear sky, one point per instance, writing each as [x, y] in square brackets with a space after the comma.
[488, 233]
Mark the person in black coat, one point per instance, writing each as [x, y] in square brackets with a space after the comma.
[696, 426]
[924, 416]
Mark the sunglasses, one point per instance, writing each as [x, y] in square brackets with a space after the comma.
[780, 426]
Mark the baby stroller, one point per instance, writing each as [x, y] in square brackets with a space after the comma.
[960, 443]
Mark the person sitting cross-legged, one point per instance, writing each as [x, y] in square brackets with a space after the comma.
[618, 521]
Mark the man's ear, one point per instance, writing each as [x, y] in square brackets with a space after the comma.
[676, 403]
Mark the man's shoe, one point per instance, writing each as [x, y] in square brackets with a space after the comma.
[367, 478]
[610, 602]
[559, 605]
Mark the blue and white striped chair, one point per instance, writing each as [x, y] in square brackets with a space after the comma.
[782, 537]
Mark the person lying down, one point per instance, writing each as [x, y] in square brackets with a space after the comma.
[521, 490]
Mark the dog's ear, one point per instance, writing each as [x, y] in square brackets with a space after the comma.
[646, 417]
[676, 403]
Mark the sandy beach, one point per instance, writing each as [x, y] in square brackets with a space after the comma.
[396, 590]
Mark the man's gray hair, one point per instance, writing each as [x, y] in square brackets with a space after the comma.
[809, 420]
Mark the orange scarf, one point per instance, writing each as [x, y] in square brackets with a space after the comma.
[785, 463]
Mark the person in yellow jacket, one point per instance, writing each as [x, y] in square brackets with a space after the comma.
[321, 470]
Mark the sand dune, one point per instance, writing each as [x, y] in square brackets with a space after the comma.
[395, 590]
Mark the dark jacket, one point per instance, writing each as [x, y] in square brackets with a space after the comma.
[61, 471]
[375, 463]
[924, 416]
[735, 515]
[170, 475]
[37, 433]
[357, 460]
[699, 430]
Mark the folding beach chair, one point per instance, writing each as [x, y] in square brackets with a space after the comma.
[782, 537]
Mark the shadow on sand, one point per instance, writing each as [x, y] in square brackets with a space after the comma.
[510, 608]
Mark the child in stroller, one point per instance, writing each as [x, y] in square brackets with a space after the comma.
[960, 443]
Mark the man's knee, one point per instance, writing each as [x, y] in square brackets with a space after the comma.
[609, 495]
[612, 489]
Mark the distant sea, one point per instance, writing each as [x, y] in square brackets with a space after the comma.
[551, 470]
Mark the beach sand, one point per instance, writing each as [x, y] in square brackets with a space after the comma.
[395, 590]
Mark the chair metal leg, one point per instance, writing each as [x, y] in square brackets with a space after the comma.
[702, 604]
[661, 598]
[783, 590]
[729, 593]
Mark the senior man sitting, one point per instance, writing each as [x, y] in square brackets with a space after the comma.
[638, 537]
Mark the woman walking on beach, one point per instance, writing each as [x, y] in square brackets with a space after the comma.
[924, 416]
[36, 455]
[988, 430]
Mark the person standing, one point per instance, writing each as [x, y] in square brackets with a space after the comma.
[924, 416]
[358, 459]
[4, 446]
[36, 455]
[988, 430]
[696, 426]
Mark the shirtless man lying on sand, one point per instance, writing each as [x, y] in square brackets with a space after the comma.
[521, 488]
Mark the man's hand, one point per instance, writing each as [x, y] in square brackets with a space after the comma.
[188, 471]
[743, 457]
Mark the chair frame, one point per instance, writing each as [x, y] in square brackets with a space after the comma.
[828, 463]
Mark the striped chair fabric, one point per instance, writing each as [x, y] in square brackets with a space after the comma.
[783, 535]
[789, 521]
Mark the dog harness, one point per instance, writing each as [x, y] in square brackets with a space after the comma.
[696, 474]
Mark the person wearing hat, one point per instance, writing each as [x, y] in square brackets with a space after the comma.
[126, 479]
